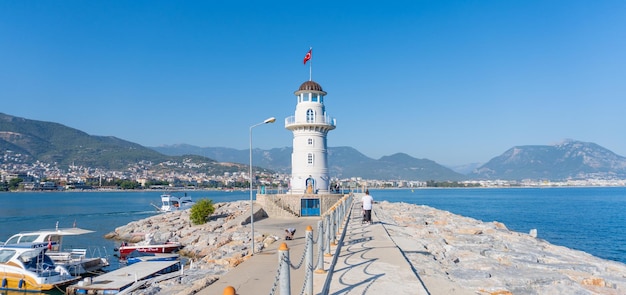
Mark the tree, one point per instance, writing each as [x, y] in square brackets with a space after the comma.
[156, 182]
[201, 210]
[14, 183]
[128, 184]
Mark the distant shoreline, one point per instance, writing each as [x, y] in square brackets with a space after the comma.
[246, 190]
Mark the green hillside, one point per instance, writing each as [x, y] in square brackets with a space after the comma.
[49, 142]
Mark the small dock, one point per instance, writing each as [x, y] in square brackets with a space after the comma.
[115, 281]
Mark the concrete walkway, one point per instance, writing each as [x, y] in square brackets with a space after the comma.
[257, 274]
[368, 262]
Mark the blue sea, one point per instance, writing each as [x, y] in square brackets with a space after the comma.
[101, 212]
[588, 219]
[591, 219]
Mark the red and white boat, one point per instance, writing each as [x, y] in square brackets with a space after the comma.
[148, 246]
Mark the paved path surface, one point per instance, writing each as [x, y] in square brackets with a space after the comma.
[257, 274]
[368, 262]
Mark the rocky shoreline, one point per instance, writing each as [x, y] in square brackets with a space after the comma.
[212, 248]
[475, 257]
[452, 254]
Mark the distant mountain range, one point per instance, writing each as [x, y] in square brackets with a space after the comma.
[343, 162]
[48, 142]
[568, 160]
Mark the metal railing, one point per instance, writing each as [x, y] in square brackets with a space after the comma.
[333, 224]
[319, 120]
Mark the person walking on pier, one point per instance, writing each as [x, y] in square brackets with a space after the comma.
[367, 207]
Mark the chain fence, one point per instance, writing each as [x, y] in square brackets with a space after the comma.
[333, 223]
[327, 230]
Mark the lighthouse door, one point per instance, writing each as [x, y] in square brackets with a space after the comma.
[310, 184]
[310, 207]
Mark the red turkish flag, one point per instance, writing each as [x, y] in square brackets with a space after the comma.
[307, 56]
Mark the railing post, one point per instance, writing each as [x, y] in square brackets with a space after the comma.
[337, 221]
[329, 231]
[309, 261]
[283, 261]
[320, 248]
[351, 200]
[229, 290]
[343, 209]
[339, 210]
[333, 228]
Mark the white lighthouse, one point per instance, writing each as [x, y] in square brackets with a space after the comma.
[310, 125]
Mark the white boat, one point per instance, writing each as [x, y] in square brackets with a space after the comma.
[26, 268]
[77, 261]
[170, 202]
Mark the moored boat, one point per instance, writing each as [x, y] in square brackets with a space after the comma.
[121, 280]
[26, 268]
[137, 256]
[148, 245]
[77, 260]
[171, 202]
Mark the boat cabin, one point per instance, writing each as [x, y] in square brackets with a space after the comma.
[76, 260]
[171, 202]
[52, 238]
[32, 256]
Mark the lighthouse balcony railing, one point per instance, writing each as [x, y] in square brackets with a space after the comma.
[325, 120]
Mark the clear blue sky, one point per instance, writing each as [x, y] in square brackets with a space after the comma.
[455, 82]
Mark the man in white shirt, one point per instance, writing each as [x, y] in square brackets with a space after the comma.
[367, 206]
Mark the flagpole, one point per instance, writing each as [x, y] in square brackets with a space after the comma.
[308, 57]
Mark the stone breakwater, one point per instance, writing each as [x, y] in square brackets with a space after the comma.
[469, 256]
[212, 248]
[452, 254]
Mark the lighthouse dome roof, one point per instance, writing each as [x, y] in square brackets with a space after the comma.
[310, 85]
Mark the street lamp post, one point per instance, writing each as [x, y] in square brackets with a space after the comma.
[268, 120]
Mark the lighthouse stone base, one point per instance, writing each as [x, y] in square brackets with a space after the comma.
[296, 205]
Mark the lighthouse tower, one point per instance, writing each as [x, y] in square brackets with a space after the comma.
[310, 125]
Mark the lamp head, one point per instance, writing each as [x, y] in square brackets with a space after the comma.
[270, 120]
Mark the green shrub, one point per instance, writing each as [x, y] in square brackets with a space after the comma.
[201, 210]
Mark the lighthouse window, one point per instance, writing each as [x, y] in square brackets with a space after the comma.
[310, 141]
[310, 115]
[310, 159]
